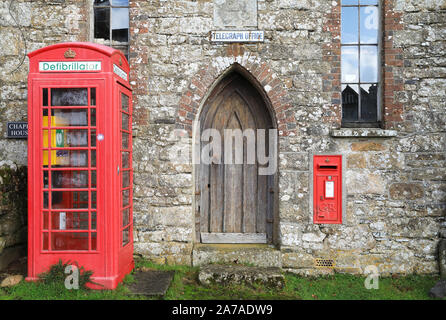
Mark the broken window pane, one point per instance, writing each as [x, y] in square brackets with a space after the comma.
[102, 23]
[101, 2]
[369, 96]
[120, 24]
[350, 102]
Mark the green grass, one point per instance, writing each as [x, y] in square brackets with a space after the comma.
[185, 286]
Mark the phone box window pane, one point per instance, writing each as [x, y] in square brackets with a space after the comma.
[45, 199]
[69, 199]
[93, 158]
[69, 117]
[69, 221]
[369, 25]
[124, 102]
[125, 121]
[93, 138]
[93, 96]
[349, 64]
[45, 218]
[350, 102]
[369, 101]
[93, 178]
[69, 97]
[93, 220]
[369, 64]
[45, 241]
[125, 198]
[69, 241]
[125, 160]
[93, 199]
[125, 179]
[125, 217]
[61, 138]
[45, 179]
[349, 25]
[45, 97]
[69, 179]
[125, 140]
[94, 241]
[93, 117]
[125, 236]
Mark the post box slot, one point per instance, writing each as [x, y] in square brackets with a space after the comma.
[325, 167]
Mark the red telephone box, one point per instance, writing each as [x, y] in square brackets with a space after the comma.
[80, 161]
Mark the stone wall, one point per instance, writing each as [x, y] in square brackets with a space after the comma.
[13, 212]
[395, 180]
[395, 201]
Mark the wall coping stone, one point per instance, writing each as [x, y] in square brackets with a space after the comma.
[363, 133]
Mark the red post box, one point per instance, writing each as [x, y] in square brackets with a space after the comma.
[80, 161]
[327, 189]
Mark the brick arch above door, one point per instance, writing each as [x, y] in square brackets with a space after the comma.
[259, 72]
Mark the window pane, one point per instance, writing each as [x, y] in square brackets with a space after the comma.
[369, 64]
[369, 96]
[125, 198]
[349, 64]
[69, 241]
[350, 102]
[93, 117]
[69, 199]
[45, 97]
[93, 96]
[125, 140]
[102, 23]
[93, 178]
[94, 241]
[125, 236]
[125, 179]
[124, 102]
[69, 96]
[362, 2]
[369, 25]
[349, 2]
[69, 179]
[69, 221]
[69, 117]
[125, 160]
[93, 220]
[120, 24]
[125, 121]
[120, 2]
[125, 217]
[349, 25]
[69, 138]
[101, 2]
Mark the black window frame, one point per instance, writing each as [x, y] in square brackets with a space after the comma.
[123, 46]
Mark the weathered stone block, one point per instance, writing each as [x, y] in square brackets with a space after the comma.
[368, 146]
[356, 160]
[406, 191]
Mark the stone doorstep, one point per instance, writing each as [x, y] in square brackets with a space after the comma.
[151, 282]
[261, 255]
[230, 274]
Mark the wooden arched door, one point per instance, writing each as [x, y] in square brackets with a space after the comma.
[235, 203]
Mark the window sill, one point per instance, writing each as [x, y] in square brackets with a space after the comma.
[362, 133]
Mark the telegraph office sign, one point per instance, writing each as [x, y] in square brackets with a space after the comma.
[17, 130]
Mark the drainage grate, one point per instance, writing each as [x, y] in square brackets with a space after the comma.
[324, 263]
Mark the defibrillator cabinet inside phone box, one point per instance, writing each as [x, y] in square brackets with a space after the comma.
[80, 161]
